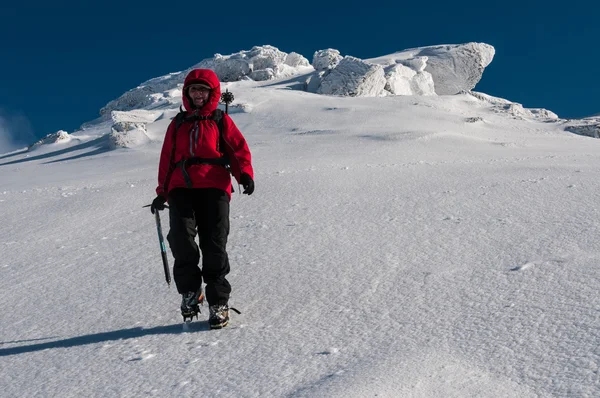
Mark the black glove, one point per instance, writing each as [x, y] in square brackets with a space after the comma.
[158, 204]
[247, 183]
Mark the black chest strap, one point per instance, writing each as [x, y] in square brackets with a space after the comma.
[184, 163]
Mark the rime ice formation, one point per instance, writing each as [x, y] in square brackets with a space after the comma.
[59, 137]
[454, 68]
[259, 64]
[353, 77]
[446, 69]
[326, 59]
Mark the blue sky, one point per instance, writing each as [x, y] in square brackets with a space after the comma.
[62, 61]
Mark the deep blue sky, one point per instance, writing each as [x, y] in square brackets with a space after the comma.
[62, 61]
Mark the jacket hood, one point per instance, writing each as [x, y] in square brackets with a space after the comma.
[204, 76]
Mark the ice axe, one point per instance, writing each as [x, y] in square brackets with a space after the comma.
[227, 98]
[163, 248]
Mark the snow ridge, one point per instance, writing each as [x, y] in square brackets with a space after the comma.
[422, 71]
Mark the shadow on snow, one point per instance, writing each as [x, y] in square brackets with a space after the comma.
[122, 334]
[13, 153]
[100, 143]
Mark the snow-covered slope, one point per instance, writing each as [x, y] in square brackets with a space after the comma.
[394, 247]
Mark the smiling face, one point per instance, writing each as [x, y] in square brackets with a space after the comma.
[198, 94]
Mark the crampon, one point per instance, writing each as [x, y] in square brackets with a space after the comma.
[190, 305]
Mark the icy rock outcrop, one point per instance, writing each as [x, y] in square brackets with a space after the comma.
[260, 63]
[403, 80]
[127, 135]
[353, 77]
[514, 109]
[313, 81]
[454, 68]
[589, 127]
[127, 139]
[433, 70]
[263, 74]
[59, 137]
[296, 60]
[141, 116]
[129, 128]
[326, 59]
[123, 127]
[160, 91]
[418, 64]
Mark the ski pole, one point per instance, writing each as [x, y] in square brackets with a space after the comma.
[163, 248]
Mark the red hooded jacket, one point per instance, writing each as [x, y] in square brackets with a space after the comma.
[203, 144]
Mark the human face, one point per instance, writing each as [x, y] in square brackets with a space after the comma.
[198, 94]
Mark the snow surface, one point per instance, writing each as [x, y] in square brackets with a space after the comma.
[435, 246]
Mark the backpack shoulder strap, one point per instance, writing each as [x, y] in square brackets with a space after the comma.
[218, 116]
[179, 118]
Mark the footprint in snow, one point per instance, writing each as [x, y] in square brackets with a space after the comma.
[329, 352]
[523, 267]
[144, 356]
[530, 264]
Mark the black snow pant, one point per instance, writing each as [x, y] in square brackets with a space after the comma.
[203, 212]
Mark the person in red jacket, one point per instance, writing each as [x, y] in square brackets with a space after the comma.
[194, 176]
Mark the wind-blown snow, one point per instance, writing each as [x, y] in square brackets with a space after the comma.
[400, 246]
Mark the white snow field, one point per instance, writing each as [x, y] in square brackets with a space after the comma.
[399, 246]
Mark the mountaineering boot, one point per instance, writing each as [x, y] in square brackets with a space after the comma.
[190, 302]
[219, 316]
